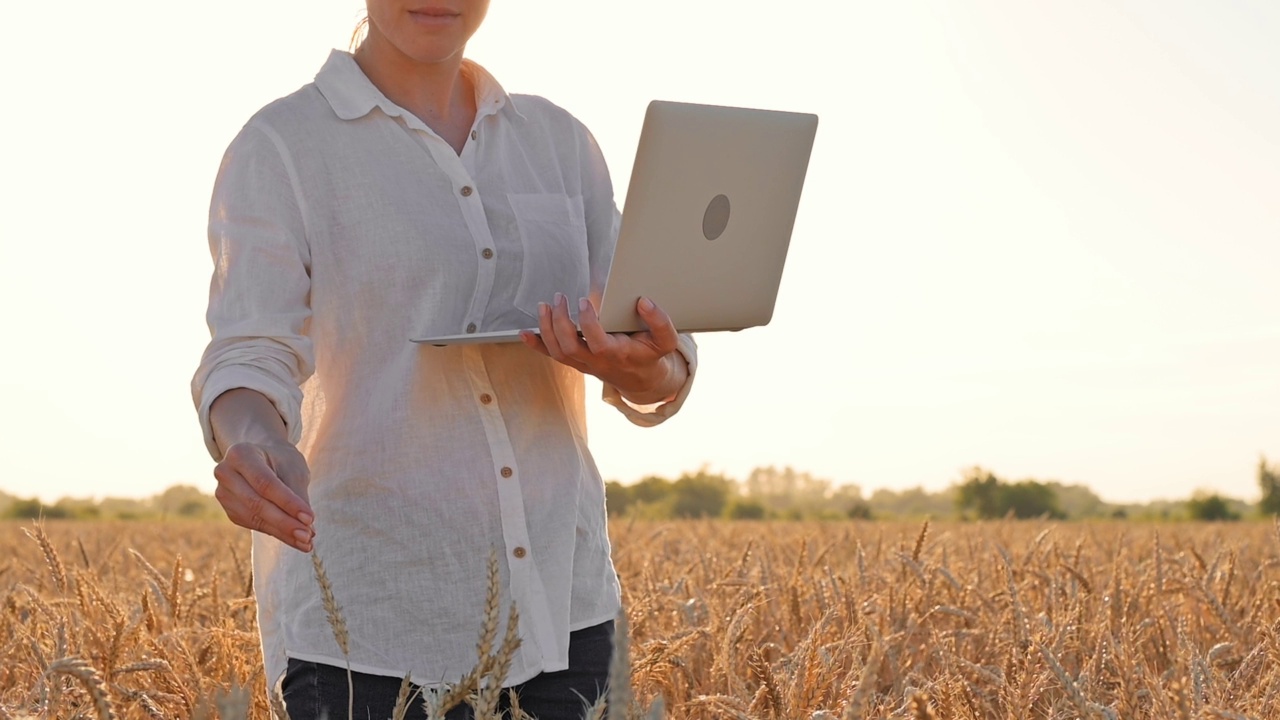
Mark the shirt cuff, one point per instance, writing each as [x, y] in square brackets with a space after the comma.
[243, 376]
[651, 415]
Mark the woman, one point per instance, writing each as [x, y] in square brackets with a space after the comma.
[401, 194]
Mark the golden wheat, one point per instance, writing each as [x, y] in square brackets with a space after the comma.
[776, 621]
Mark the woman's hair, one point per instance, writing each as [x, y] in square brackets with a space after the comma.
[358, 35]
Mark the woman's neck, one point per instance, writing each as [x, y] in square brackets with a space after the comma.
[439, 94]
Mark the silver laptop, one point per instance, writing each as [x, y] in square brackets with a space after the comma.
[707, 219]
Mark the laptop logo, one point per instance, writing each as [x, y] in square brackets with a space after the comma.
[716, 218]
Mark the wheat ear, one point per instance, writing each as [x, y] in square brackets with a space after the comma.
[333, 612]
[276, 700]
[89, 677]
[56, 569]
[437, 702]
[489, 626]
[402, 699]
[499, 665]
[924, 533]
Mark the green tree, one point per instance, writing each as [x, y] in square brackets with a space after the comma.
[1078, 501]
[860, 511]
[652, 489]
[1269, 483]
[617, 497]
[989, 497]
[847, 501]
[700, 495]
[33, 509]
[914, 503]
[980, 492]
[124, 508]
[744, 509]
[186, 501]
[1211, 507]
[1029, 499]
[194, 509]
[788, 493]
[79, 508]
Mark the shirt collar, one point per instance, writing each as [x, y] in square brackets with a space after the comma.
[352, 95]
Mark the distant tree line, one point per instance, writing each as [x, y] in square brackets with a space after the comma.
[771, 493]
[179, 501]
[767, 493]
[787, 494]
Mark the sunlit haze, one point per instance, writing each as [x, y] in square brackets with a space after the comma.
[1040, 238]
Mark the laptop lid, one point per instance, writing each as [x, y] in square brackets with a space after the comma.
[708, 216]
[707, 219]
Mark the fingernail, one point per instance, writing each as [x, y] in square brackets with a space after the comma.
[302, 536]
[646, 303]
[583, 304]
[306, 518]
[543, 308]
[559, 298]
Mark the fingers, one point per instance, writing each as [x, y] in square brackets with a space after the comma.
[289, 494]
[566, 331]
[532, 340]
[636, 363]
[598, 341]
[561, 343]
[661, 329]
[254, 495]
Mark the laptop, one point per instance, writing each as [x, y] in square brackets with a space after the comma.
[707, 219]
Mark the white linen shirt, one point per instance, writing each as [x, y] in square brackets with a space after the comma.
[341, 226]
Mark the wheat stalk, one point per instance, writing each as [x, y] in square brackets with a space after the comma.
[619, 694]
[857, 707]
[337, 623]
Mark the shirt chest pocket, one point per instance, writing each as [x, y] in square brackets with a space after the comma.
[553, 236]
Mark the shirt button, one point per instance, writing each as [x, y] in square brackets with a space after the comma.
[487, 254]
[474, 135]
[486, 398]
[519, 552]
[466, 191]
[471, 327]
[506, 472]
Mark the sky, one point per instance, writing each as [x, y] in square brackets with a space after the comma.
[1043, 238]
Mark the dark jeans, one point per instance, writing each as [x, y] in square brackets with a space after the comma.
[314, 691]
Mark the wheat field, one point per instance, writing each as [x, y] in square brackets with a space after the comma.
[782, 621]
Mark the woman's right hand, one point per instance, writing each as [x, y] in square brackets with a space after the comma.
[263, 487]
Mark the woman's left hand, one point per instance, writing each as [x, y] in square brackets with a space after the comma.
[643, 366]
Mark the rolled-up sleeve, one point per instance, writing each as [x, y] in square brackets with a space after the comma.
[650, 415]
[259, 297]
